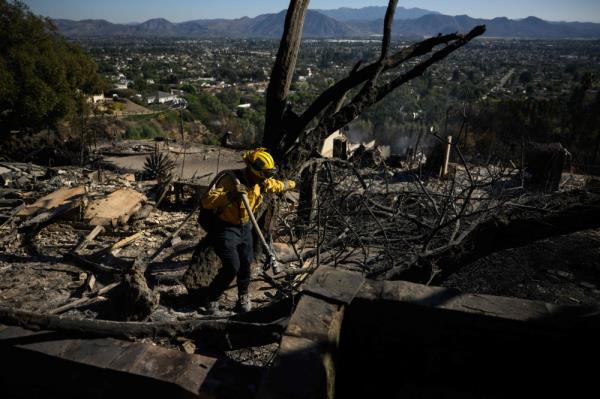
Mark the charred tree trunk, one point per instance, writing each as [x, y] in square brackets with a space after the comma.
[277, 116]
[308, 196]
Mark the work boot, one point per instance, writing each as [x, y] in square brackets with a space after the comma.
[244, 304]
[276, 268]
[212, 309]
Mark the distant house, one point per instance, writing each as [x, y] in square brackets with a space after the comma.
[162, 97]
[96, 98]
[245, 106]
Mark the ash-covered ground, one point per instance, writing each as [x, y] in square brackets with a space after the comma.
[36, 275]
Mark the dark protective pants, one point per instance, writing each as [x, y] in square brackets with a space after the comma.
[233, 244]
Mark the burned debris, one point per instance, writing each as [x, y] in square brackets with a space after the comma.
[105, 260]
[88, 257]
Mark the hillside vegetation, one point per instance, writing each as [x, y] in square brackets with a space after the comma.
[44, 79]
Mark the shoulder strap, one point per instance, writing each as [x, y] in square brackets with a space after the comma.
[233, 173]
[238, 174]
[218, 177]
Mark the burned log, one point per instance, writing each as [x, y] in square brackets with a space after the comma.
[42, 218]
[133, 300]
[87, 264]
[240, 332]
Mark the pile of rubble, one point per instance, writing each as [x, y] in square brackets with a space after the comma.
[80, 223]
[68, 236]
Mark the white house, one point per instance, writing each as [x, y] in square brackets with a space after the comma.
[162, 97]
[96, 98]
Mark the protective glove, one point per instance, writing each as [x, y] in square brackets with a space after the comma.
[289, 185]
[236, 194]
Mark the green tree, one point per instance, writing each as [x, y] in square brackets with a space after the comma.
[229, 97]
[525, 77]
[140, 84]
[43, 78]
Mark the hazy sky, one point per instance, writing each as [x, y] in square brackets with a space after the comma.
[185, 10]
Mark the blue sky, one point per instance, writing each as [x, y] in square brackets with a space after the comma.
[122, 11]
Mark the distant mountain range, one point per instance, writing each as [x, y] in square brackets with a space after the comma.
[340, 23]
[373, 13]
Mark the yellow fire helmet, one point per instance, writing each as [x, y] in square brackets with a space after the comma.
[260, 162]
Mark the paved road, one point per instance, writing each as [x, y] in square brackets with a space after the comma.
[201, 161]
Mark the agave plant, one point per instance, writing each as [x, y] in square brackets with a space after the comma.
[159, 166]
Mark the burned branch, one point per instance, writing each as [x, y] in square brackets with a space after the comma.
[385, 226]
[132, 330]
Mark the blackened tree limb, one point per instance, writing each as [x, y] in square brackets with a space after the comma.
[355, 108]
[436, 57]
[282, 73]
[309, 140]
[360, 76]
[367, 91]
[130, 330]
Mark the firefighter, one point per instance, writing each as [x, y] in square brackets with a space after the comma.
[230, 229]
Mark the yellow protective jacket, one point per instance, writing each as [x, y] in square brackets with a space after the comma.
[234, 212]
